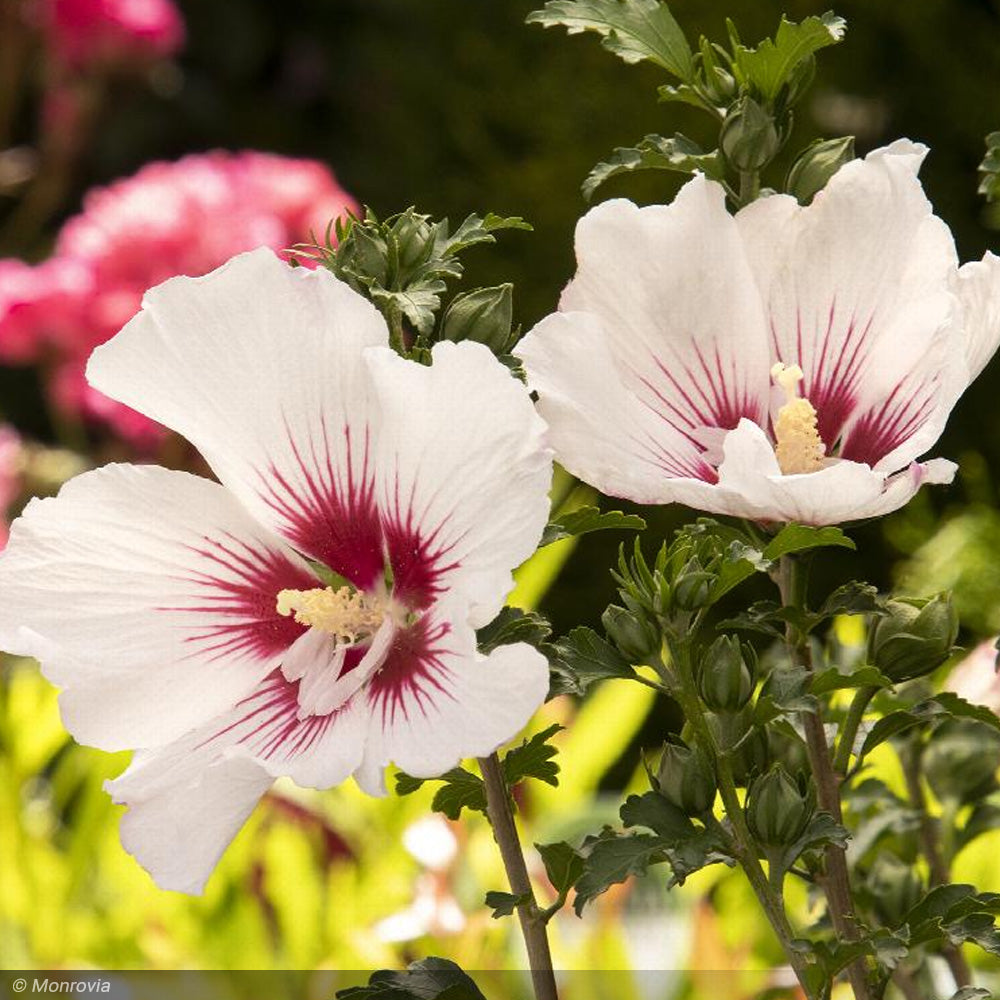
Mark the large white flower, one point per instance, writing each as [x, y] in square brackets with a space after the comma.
[788, 363]
[198, 623]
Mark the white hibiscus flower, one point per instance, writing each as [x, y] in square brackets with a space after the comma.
[198, 622]
[788, 363]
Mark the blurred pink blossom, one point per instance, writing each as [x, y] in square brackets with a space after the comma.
[184, 217]
[85, 33]
[11, 461]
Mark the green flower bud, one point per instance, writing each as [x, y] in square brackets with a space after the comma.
[895, 887]
[693, 586]
[744, 743]
[686, 779]
[749, 138]
[726, 681]
[961, 760]
[631, 633]
[915, 638]
[777, 809]
[816, 165]
[483, 315]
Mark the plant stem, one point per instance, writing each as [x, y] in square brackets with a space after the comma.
[771, 901]
[749, 186]
[938, 866]
[499, 811]
[836, 885]
[849, 731]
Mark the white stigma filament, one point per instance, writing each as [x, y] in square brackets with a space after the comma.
[798, 446]
[348, 615]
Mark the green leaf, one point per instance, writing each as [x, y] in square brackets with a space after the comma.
[513, 625]
[582, 657]
[989, 182]
[611, 858]
[475, 230]
[563, 864]
[801, 537]
[428, 979]
[822, 830]
[634, 30]
[503, 904]
[972, 993]
[533, 759]
[854, 598]
[959, 708]
[772, 64]
[984, 818]
[584, 520]
[834, 680]
[655, 152]
[654, 812]
[460, 790]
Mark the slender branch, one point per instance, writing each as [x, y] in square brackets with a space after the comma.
[849, 730]
[940, 874]
[908, 986]
[836, 885]
[500, 813]
[771, 900]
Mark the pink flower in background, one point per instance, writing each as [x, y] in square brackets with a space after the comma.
[975, 678]
[39, 305]
[11, 459]
[171, 218]
[84, 33]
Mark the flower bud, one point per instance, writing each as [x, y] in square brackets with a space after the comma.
[961, 760]
[777, 810]
[816, 165]
[483, 315]
[749, 138]
[895, 887]
[631, 633]
[915, 638]
[726, 681]
[744, 743]
[693, 586]
[686, 779]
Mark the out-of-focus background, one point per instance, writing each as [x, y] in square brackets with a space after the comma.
[138, 140]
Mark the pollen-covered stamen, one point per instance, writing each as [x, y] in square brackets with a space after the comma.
[348, 615]
[798, 446]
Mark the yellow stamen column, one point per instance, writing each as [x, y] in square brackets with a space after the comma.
[798, 446]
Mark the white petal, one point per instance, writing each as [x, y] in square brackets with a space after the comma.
[842, 491]
[185, 806]
[601, 428]
[436, 700]
[856, 287]
[259, 365]
[672, 286]
[318, 663]
[463, 476]
[148, 595]
[978, 289]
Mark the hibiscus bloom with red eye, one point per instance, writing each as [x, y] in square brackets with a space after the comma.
[313, 613]
[786, 363]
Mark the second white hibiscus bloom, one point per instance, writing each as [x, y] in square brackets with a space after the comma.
[784, 364]
[313, 615]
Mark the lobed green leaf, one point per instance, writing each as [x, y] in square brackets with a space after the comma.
[634, 30]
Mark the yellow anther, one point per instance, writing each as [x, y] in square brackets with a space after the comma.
[348, 615]
[798, 446]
